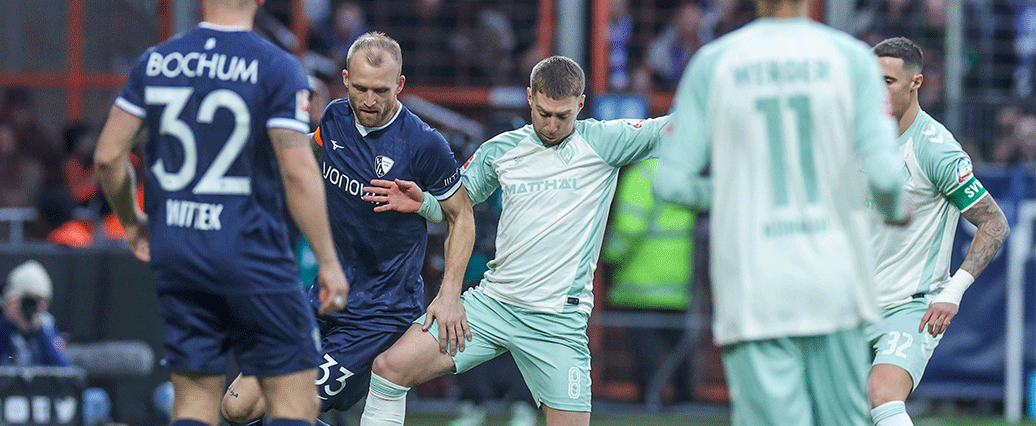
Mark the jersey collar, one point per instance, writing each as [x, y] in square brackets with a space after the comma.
[364, 130]
[913, 129]
[223, 28]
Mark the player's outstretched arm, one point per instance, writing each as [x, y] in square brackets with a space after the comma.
[118, 179]
[992, 231]
[446, 307]
[403, 196]
[305, 195]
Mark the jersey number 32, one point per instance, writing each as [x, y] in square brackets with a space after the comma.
[214, 180]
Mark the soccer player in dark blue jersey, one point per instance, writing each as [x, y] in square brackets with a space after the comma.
[226, 116]
[368, 136]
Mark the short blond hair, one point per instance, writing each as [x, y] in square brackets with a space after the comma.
[376, 45]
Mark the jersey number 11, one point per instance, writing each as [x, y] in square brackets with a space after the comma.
[771, 108]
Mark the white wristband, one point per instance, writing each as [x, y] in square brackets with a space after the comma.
[954, 289]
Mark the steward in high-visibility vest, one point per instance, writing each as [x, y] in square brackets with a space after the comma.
[650, 245]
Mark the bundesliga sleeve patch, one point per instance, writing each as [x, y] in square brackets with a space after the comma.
[964, 170]
[636, 124]
[968, 194]
[468, 163]
[302, 106]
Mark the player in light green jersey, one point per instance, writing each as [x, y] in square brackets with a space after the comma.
[557, 178]
[788, 111]
[915, 289]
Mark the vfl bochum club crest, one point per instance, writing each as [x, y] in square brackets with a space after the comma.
[382, 165]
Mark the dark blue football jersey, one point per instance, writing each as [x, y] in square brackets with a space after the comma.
[382, 253]
[213, 192]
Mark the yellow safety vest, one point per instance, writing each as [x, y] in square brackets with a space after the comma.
[651, 244]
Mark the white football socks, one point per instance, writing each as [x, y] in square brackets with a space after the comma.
[891, 414]
[386, 403]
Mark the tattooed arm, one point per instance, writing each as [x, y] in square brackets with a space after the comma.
[992, 231]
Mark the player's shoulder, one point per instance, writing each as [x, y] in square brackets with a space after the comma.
[506, 141]
[930, 134]
[589, 123]
[933, 143]
[176, 41]
[494, 148]
[512, 138]
[592, 127]
[419, 136]
[276, 59]
[416, 129]
[337, 109]
[620, 124]
[339, 106]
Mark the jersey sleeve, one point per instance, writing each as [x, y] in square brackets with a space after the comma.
[131, 98]
[436, 167]
[288, 88]
[874, 135]
[621, 142]
[948, 167]
[326, 120]
[685, 149]
[479, 177]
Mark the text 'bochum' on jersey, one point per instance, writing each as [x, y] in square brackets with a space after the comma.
[198, 64]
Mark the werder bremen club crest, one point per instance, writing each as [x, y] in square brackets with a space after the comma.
[382, 165]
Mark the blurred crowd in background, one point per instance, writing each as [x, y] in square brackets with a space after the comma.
[48, 170]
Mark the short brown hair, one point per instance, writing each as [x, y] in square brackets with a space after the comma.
[902, 48]
[558, 77]
[376, 44]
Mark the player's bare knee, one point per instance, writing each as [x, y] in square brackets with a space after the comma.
[383, 367]
[880, 393]
[390, 368]
[240, 408]
[234, 410]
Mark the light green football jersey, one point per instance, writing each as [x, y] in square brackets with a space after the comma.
[554, 206]
[916, 258]
[788, 111]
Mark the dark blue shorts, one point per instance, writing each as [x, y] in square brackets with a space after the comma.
[269, 334]
[345, 373]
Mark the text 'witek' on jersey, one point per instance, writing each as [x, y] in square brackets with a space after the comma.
[191, 214]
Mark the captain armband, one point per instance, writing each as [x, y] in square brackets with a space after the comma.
[968, 194]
